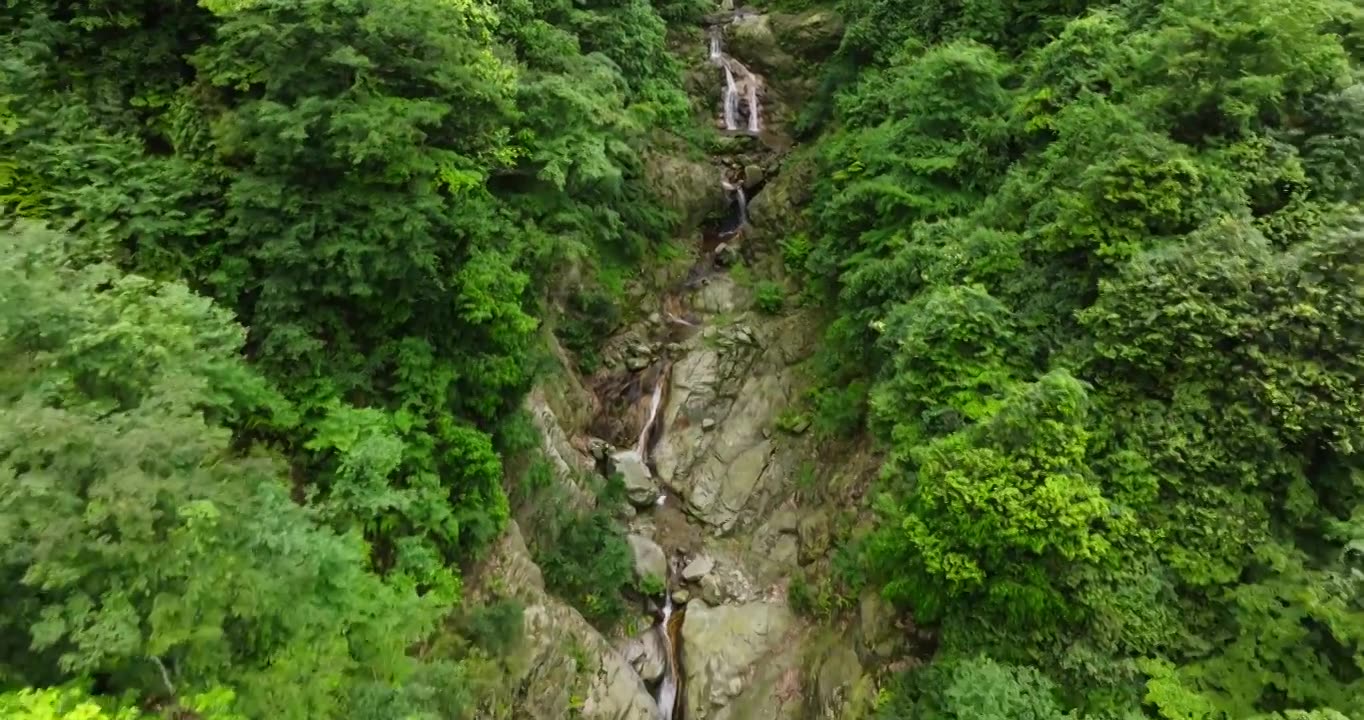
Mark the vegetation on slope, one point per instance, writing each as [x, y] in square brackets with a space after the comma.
[378, 193]
[1101, 264]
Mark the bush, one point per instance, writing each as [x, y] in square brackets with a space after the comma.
[770, 297]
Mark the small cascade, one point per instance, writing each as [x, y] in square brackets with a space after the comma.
[743, 204]
[739, 81]
[643, 446]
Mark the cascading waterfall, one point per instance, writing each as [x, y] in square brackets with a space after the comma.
[731, 99]
[738, 81]
[642, 447]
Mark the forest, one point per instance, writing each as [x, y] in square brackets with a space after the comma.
[276, 277]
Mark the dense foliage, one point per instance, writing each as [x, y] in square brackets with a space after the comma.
[1101, 264]
[377, 192]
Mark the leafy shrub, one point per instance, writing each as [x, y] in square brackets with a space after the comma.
[770, 297]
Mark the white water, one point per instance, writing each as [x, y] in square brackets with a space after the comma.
[714, 47]
[743, 205]
[667, 690]
[731, 100]
[643, 446]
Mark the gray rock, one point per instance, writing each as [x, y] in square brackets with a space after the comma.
[707, 424]
[681, 595]
[637, 362]
[751, 40]
[698, 568]
[811, 35]
[649, 558]
[640, 488]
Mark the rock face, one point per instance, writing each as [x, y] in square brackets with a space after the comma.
[647, 655]
[740, 378]
[722, 645]
[564, 657]
[690, 188]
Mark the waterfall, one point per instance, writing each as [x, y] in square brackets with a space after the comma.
[738, 80]
[643, 446]
[667, 691]
[743, 203]
[731, 99]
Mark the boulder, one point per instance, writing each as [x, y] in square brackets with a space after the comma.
[724, 646]
[640, 488]
[649, 558]
[698, 568]
[688, 187]
[647, 655]
[753, 176]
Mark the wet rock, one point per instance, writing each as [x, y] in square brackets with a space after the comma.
[640, 488]
[637, 362]
[813, 532]
[707, 424]
[649, 558]
[681, 596]
[698, 568]
[724, 645]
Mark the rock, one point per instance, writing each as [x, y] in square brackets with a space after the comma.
[813, 532]
[708, 424]
[721, 295]
[685, 186]
[640, 488]
[647, 655]
[655, 318]
[681, 596]
[637, 362]
[724, 645]
[753, 176]
[649, 558]
[698, 568]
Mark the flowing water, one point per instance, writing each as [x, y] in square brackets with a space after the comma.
[667, 689]
[739, 81]
[643, 446]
